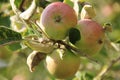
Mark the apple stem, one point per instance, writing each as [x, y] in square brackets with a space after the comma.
[38, 25]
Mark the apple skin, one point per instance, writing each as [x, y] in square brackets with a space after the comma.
[62, 65]
[92, 36]
[56, 20]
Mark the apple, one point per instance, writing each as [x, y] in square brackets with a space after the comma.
[62, 64]
[92, 36]
[56, 20]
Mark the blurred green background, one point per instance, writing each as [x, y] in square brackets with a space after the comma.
[13, 60]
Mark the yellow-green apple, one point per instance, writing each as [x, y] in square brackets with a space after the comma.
[92, 36]
[62, 64]
[56, 20]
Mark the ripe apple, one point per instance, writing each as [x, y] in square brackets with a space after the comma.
[92, 36]
[62, 64]
[56, 20]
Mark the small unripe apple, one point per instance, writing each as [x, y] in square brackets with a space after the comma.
[62, 64]
[92, 36]
[56, 20]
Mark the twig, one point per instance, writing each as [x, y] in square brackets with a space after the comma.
[39, 26]
[35, 29]
[76, 51]
[110, 66]
[106, 69]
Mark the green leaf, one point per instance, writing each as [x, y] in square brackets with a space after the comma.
[74, 35]
[80, 7]
[14, 46]
[3, 77]
[69, 2]
[118, 41]
[8, 36]
[44, 3]
[17, 3]
[89, 76]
